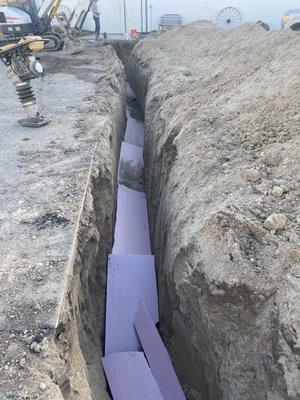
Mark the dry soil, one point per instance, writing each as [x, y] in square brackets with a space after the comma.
[222, 140]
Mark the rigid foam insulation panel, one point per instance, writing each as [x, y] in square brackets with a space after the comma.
[130, 280]
[131, 230]
[157, 355]
[130, 377]
[134, 131]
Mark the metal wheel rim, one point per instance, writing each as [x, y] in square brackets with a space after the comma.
[62, 16]
[229, 18]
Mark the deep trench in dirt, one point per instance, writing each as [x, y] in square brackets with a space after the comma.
[223, 312]
[91, 308]
[88, 296]
[220, 164]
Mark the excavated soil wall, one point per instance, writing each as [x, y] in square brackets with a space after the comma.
[222, 117]
[83, 317]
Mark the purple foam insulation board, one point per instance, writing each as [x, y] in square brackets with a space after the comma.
[131, 166]
[157, 355]
[131, 229]
[130, 377]
[130, 280]
[128, 113]
[134, 133]
[129, 92]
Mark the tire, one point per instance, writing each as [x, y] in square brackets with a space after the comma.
[55, 43]
[295, 27]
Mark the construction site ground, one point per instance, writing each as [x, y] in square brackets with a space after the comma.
[222, 125]
[47, 179]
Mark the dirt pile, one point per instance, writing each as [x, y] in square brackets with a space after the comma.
[222, 118]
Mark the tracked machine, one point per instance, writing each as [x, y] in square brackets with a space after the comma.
[26, 17]
[35, 17]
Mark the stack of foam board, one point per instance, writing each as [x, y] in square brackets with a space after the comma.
[136, 362]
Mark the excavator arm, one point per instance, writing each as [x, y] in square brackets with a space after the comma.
[48, 9]
[79, 14]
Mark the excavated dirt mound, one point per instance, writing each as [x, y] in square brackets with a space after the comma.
[222, 118]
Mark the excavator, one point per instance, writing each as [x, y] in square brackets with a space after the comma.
[25, 29]
[29, 17]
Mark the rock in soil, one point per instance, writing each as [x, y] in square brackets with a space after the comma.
[275, 222]
[277, 191]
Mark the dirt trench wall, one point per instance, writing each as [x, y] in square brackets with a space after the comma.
[123, 48]
[221, 117]
[87, 292]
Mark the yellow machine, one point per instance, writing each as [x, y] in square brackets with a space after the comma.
[21, 67]
[25, 28]
[35, 17]
[31, 17]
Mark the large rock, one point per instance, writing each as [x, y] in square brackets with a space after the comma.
[275, 222]
[214, 101]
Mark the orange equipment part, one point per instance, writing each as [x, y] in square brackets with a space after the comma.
[133, 33]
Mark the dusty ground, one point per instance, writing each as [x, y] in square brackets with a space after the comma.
[57, 208]
[222, 126]
[42, 175]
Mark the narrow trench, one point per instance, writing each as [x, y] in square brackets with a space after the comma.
[133, 112]
[88, 332]
[134, 351]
